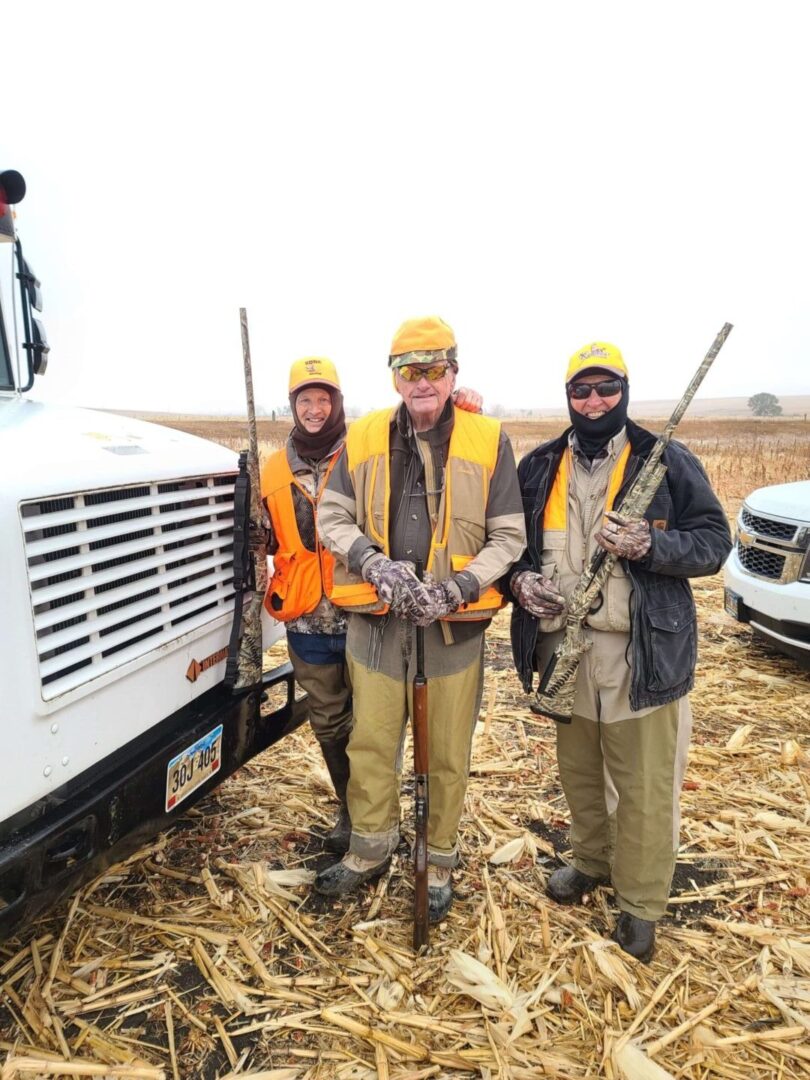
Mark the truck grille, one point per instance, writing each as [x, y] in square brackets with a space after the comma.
[114, 574]
[761, 562]
[763, 526]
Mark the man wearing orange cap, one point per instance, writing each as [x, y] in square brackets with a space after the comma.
[622, 757]
[293, 481]
[426, 482]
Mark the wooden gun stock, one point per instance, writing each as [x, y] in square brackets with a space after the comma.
[421, 930]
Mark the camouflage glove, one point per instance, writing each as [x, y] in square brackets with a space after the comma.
[627, 539]
[445, 598]
[537, 594]
[398, 586]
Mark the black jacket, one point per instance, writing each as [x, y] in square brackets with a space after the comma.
[694, 542]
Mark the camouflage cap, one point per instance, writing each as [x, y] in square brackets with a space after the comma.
[424, 356]
[426, 340]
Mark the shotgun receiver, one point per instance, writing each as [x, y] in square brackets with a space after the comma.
[421, 792]
[555, 695]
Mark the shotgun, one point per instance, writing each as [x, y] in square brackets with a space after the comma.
[421, 791]
[555, 696]
[243, 671]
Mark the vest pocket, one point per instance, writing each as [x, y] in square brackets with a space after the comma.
[280, 581]
[672, 646]
[490, 598]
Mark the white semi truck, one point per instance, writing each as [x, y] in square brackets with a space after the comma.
[117, 602]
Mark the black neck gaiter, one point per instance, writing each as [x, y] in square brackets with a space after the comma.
[314, 447]
[594, 435]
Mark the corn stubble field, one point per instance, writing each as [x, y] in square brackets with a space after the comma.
[206, 954]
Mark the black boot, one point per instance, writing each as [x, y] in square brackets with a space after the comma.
[348, 875]
[568, 885]
[636, 936]
[440, 894]
[337, 763]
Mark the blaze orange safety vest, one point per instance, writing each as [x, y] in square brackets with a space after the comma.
[555, 515]
[300, 576]
[461, 521]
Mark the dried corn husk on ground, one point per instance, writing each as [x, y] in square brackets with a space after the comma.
[205, 954]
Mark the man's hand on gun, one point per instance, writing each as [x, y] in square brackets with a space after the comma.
[537, 594]
[418, 602]
[624, 538]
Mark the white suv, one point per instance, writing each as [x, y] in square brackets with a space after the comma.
[767, 575]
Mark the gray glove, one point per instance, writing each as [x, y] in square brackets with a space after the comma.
[537, 594]
[445, 598]
[398, 586]
[627, 539]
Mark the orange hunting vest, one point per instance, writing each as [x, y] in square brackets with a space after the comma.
[461, 530]
[555, 515]
[300, 576]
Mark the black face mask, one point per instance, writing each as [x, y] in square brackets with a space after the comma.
[316, 446]
[594, 435]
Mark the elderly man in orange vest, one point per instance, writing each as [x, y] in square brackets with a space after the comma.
[293, 481]
[424, 481]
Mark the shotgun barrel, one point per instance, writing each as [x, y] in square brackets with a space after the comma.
[244, 668]
[421, 792]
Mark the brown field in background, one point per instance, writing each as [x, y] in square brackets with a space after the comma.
[738, 454]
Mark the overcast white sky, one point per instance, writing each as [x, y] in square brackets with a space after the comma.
[539, 174]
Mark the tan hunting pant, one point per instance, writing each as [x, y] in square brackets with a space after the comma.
[382, 705]
[622, 781]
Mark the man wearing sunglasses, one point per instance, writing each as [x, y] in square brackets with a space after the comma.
[424, 481]
[622, 757]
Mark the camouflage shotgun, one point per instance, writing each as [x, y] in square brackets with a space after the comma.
[244, 671]
[555, 695]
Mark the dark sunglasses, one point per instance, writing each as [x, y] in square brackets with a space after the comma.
[582, 390]
[415, 372]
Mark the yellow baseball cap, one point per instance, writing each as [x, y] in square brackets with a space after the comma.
[416, 337]
[313, 370]
[599, 355]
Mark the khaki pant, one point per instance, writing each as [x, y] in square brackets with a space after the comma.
[329, 694]
[622, 781]
[382, 705]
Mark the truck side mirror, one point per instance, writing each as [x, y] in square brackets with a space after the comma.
[39, 347]
[32, 285]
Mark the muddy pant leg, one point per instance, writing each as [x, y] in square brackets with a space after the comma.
[329, 695]
[375, 760]
[579, 756]
[646, 759]
[454, 702]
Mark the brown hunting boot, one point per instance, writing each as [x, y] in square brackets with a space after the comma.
[337, 763]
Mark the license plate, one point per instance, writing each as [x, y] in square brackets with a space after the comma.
[192, 767]
[732, 603]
